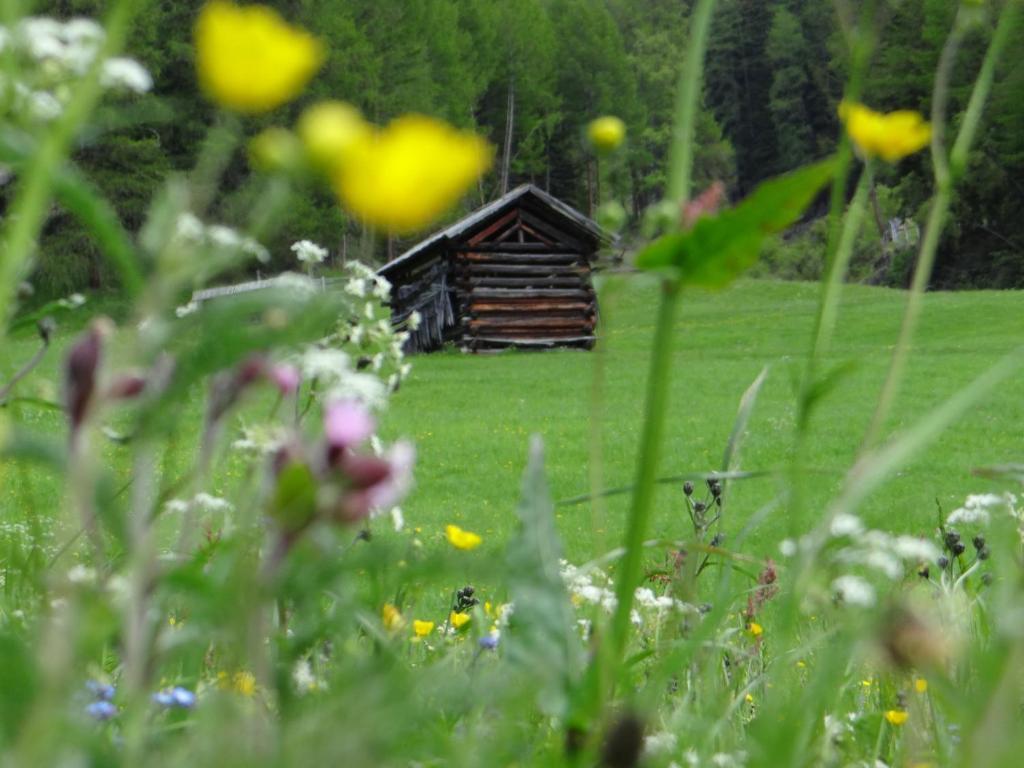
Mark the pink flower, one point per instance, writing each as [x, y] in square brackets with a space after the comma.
[347, 423]
[375, 483]
[286, 378]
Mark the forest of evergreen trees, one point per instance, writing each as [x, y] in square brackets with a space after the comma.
[530, 74]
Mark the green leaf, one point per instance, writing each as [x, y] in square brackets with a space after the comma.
[719, 248]
[542, 640]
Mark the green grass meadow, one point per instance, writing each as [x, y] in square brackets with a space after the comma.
[471, 416]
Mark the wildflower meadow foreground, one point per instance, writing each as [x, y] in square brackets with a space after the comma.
[208, 554]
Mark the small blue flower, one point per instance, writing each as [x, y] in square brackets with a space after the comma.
[177, 696]
[183, 697]
[489, 642]
[102, 691]
[101, 710]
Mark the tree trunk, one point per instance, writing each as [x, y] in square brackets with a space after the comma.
[510, 113]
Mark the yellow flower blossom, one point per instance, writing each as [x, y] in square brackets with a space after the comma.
[458, 619]
[890, 136]
[755, 629]
[896, 716]
[606, 133]
[422, 628]
[921, 685]
[461, 539]
[242, 682]
[403, 177]
[329, 129]
[249, 59]
[391, 618]
[749, 698]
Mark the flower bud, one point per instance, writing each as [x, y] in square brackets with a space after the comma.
[81, 369]
[606, 133]
[329, 130]
[978, 542]
[688, 488]
[275, 149]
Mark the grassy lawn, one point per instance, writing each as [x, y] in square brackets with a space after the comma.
[471, 416]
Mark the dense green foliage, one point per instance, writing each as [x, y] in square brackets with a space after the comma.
[530, 74]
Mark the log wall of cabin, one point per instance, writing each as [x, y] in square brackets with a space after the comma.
[524, 281]
[424, 288]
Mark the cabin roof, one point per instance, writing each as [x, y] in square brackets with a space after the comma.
[492, 209]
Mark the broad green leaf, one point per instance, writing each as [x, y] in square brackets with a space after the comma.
[294, 501]
[719, 248]
[542, 640]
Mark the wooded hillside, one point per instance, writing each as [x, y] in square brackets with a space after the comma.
[529, 74]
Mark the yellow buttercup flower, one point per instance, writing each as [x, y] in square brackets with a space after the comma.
[422, 628]
[249, 59]
[403, 177]
[890, 136]
[896, 716]
[755, 629]
[391, 618]
[606, 133]
[242, 682]
[921, 685]
[329, 130]
[458, 619]
[461, 539]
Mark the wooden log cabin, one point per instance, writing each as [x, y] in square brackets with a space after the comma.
[514, 273]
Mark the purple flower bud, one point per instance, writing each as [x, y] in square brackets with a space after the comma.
[126, 387]
[489, 642]
[183, 697]
[347, 423]
[83, 362]
[101, 710]
[286, 378]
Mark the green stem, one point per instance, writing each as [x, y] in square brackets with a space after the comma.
[630, 568]
[945, 176]
[26, 215]
[687, 103]
[833, 286]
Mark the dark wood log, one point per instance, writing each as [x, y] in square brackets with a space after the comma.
[545, 322]
[511, 293]
[513, 247]
[479, 307]
[523, 282]
[538, 269]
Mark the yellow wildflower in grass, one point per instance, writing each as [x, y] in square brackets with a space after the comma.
[403, 177]
[755, 629]
[921, 685]
[242, 682]
[249, 59]
[749, 698]
[606, 133]
[391, 618]
[461, 539]
[422, 628]
[896, 717]
[890, 136]
[458, 619]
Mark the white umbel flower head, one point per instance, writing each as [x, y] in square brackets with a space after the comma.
[126, 74]
[309, 252]
[854, 590]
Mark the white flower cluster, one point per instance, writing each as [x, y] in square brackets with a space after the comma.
[593, 587]
[53, 55]
[260, 439]
[977, 509]
[308, 252]
[338, 379]
[191, 231]
[202, 502]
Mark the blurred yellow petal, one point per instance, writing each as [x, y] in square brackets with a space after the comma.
[458, 619]
[405, 176]
[329, 130]
[890, 136]
[422, 628]
[391, 618]
[249, 59]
